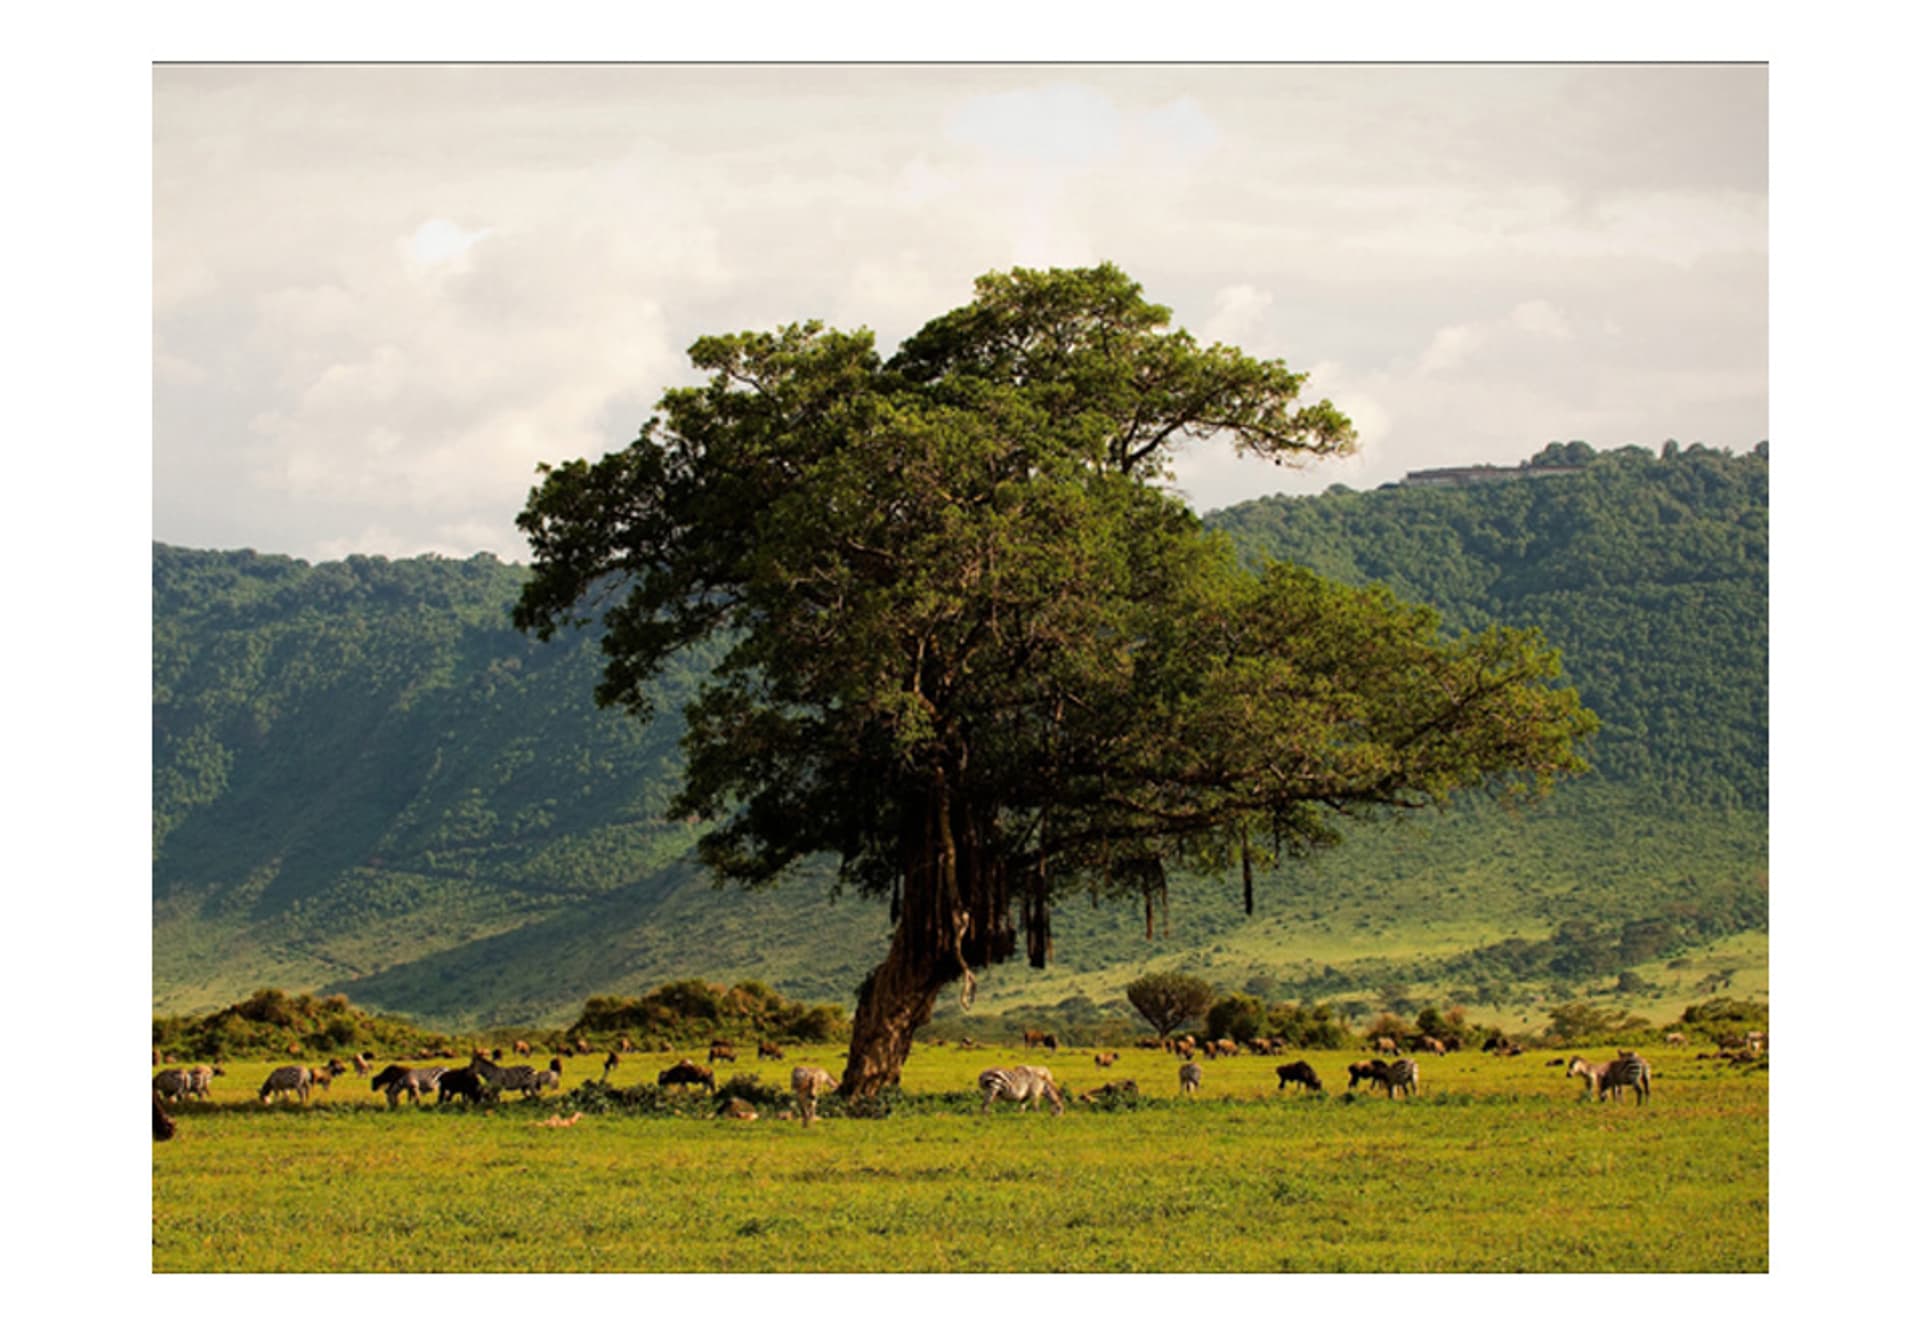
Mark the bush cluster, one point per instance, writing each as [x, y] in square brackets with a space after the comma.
[693, 1010]
[270, 1022]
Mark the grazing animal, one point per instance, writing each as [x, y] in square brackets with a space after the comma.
[609, 1065]
[464, 1083]
[626, 1045]
[1189, 1078]
[171, 1084]
[1184, 1048]
[1605, 1079]
[686, 1073]
[1228, 1047]
[1105, 1059]
[399, 1079]
[1386, 1046]
[1403, 1074]
[162, 1123]
[521, 1047]
[320, 1077]
[770, 1051]
[1431, 1045]
[1032, 1037]
[1676, 1039]
[581, 1047]
[288, 1079]
[521, 1079]
[361, 1065]
[1260, 1046]
[1116, 1089]
[809, 1082]
[1024, 1084]
[720, 1051]
[1298, 1073]
[200, 1080]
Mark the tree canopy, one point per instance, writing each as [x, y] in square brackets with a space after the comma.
[974, 652]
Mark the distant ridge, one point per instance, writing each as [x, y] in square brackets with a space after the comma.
[366, 782]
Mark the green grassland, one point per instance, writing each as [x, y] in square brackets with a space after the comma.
[1498, 1166]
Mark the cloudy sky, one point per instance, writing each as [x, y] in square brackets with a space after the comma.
[383, 294]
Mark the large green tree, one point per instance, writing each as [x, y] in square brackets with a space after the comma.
[973, 652]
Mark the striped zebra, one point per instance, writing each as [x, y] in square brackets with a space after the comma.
[1403, 1074]
[171, 1084]
[1189, 1078]
[1628, 1070]
[1024, 1084]
[523, 1079]
[288, 1079]
[399, 1079]
[809, 1082]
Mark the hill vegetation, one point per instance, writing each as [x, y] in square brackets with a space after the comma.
[366, 782]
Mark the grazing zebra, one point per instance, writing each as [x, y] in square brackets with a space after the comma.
[398, 1079]
[288, 1079]
[1024, 1084]
[1628, 1070]
[523, 1079]
[1403, 1074]
[171, 1084]
[1189, 1078]
[809, 1082]
[200, 1080]
[1298, 1073]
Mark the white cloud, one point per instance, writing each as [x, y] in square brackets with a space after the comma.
[438, 243]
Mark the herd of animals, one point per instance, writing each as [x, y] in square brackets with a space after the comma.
[485, 1079]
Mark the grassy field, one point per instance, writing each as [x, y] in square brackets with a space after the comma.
[1496, 1167]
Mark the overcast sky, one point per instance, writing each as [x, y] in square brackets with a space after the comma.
[383, 294]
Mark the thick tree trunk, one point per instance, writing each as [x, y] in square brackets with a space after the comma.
[953, 917]
[896, 999]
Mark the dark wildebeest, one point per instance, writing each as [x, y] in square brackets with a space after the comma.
[465, 1083]
[720, 1051]
[686, 1073]
[1298, 1073]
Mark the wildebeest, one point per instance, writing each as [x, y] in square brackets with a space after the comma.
[1298, 1073]
[465, 1083]
[162, 1123]
[686, 1072]
[770, 1051]
[1104, 1059]
[1386, 1046]
[719, 1050]
[1431, 1045]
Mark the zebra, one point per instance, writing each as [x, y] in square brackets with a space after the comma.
[1403, 1074]
[1189, 1078]
[288, 1079]
[1025, 1084]
[398, 1079]
[523, 1079]
[809, 1081]
[171, 1084]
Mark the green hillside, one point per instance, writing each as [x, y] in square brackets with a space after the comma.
[366, 782]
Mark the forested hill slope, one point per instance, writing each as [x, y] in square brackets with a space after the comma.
[366, 781]
[1649, 573]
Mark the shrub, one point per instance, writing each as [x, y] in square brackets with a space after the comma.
[1238, 1017]
[1168, 1000]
